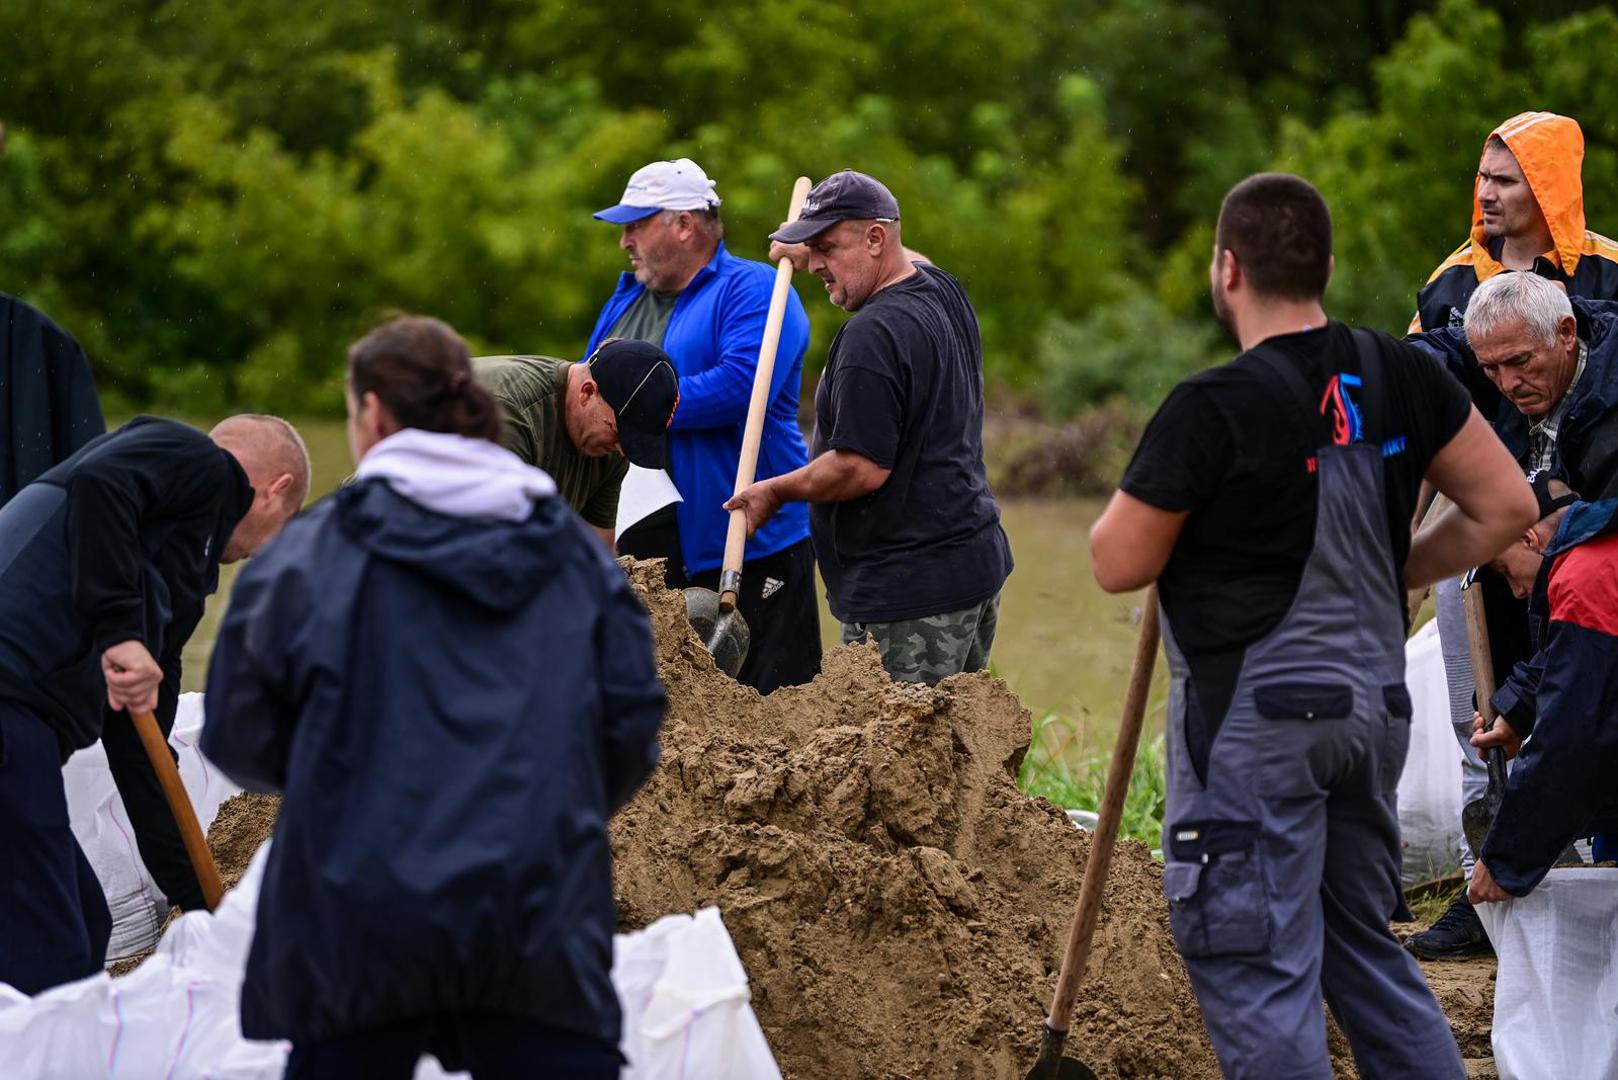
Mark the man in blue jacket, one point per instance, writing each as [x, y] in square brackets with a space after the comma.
[105, 563]
[706, 308]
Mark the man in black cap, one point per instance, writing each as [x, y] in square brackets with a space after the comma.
[585, 424]
[905, 530]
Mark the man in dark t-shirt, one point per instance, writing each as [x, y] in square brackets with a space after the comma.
[905, 530]
[1270, 500]
[585, 423]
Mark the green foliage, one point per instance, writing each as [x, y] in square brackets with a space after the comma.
[1084, 787]
[217, 197]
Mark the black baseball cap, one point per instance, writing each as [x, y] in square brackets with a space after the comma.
[638, 381]
[844, 196]
[1550, 502]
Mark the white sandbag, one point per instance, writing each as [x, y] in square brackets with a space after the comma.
[1556, 991]
[680, 984]
[101, 825]
[1429, 787]
[685, 1000]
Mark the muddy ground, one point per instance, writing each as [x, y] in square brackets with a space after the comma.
[898, 903]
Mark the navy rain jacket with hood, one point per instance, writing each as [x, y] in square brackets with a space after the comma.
[1563, 784]
[452, 704]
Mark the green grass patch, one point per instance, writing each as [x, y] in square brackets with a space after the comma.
[1081, 786]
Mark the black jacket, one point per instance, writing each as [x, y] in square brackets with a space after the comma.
[452, 707]
[121, 541]
[48, 403]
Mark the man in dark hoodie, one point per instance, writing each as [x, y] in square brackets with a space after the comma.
[105, 562]
[453, 687]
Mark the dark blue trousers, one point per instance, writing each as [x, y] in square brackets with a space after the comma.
[491, 1046]
[54, 922]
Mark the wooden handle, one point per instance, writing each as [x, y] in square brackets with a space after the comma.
[1477, 639]
[196, 845]
[736, 535]
[1088, 911]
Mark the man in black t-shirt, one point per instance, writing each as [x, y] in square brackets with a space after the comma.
[905, 530]
[1270, 500]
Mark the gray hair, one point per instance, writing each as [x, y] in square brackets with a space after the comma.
[1507, 297]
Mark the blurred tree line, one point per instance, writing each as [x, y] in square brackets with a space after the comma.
[216, 196]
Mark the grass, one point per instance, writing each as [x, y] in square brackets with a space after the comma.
[1081, 786]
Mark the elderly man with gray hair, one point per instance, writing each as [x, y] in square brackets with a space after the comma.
[1554, 360]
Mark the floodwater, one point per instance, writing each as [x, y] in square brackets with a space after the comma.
[1063, 645]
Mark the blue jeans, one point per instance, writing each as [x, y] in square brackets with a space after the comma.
[54, 922]
[492, 1046]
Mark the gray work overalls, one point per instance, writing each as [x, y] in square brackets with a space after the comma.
[1282, 864]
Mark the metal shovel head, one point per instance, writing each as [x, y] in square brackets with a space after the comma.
[1476, 817]
[725, 633]
[1052, 1065]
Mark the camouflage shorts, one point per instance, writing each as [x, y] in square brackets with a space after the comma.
[929, 649]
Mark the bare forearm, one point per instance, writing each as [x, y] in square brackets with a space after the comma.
[835, 476]
[1456, 542]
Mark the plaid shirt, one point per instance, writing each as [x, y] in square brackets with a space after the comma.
[1542, 436]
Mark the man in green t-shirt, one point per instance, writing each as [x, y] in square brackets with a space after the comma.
[584, 424]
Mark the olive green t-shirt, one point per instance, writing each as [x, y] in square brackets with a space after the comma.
[531, 390]
[647, 319]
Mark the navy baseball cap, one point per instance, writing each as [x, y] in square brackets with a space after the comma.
[663, 185]
[638, 381]
[844, 196]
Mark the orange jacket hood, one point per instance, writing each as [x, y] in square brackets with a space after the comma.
[1550, 150]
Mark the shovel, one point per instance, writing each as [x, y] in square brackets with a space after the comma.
[714, 615]
[185, 816]
[1478, 815]
[1051, 1065]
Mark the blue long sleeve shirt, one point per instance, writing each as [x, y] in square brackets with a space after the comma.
[713, 337]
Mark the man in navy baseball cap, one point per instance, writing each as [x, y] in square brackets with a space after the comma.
[636, 379]
[844, 196]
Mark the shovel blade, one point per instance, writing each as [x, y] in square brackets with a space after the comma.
[1064, 1068]
[724, 633]
[1476, 817]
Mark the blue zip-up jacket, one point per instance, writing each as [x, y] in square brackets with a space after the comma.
[713, 337]
[1567, 697]
[453, 707]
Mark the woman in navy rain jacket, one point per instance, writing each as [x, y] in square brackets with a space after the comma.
[454, 688]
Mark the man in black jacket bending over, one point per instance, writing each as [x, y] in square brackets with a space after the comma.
[105, 562]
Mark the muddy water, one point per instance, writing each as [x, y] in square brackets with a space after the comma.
[1063, 645]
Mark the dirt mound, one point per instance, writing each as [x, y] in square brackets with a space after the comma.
[899, 905]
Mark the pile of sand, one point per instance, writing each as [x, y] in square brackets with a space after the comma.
[900, 907]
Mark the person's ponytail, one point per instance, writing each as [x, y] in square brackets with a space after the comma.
[421, 369]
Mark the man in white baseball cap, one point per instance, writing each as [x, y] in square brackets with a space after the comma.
[706, 309]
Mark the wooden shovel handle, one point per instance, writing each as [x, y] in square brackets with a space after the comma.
[757, 406]
[1088, 911]
[196, 845]
[1477, 640]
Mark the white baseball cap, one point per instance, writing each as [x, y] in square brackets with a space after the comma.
[662, 185]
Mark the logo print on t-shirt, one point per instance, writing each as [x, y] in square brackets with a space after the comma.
[1337, 405]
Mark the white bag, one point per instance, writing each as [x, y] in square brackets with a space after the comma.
[1430, 786]
[101, 825]
[680, 984]
[685, 1000]
[1556, 992]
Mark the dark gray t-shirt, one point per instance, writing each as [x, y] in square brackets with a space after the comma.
[903, 386]
[647, 318]
[531, 390]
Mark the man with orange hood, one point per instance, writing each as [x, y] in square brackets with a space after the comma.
[1527, 214]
